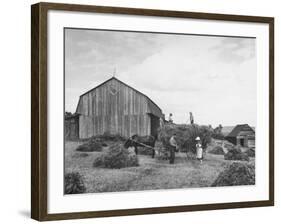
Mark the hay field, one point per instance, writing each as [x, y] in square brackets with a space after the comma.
[150, 175]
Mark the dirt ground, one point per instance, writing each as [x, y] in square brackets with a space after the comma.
[150, 175]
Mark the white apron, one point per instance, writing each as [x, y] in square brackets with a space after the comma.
[199, 151]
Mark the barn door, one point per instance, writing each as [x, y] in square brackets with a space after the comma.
[154, 125]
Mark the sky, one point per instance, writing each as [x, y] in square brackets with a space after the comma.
[212, 77]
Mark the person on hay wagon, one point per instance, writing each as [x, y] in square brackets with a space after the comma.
[199, 149]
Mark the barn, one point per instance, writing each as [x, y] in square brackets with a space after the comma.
[242, 135]
[116, 108]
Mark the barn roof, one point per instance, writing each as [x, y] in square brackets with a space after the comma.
[153, 107]
[238, 128]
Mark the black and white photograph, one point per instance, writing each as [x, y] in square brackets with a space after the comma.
[158, 111]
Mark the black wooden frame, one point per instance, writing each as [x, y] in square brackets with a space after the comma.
[39, 110]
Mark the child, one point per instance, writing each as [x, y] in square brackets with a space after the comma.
[199, 150]
[173, 148]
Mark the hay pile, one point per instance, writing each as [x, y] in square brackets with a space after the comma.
[250, 152]
[109, 137]
[74, 183]
[90, 146]
[116, 157]
[235, 153]
[236, 174]
[96, 143]
[185, 136]
[217, 150]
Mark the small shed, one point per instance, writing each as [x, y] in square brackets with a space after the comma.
[242, 135]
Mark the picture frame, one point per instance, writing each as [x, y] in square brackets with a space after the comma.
[40, 102]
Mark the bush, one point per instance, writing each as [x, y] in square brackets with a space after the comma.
[217, 150]
[185, 136]
[116, 157]
[250, 152]
[74, 183]
[235, 153]
[236, 174]
[90, 146]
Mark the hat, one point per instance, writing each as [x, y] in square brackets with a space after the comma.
[198, 138]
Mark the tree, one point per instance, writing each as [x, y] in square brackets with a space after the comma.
[217, 133]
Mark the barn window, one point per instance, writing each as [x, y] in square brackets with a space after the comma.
[113, 89]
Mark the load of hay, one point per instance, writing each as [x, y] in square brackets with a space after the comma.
[74, 183]
[161, 152]
[236, 174]
[185, 136]
[90, 146]
[217, 150]
[235, 153]
[116, 157]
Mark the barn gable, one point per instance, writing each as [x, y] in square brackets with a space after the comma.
[117, 108]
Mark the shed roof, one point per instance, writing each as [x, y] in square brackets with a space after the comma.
[153, 107]
[238, 128]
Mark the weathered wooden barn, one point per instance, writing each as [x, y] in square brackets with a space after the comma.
[116, 108]
[242, 135]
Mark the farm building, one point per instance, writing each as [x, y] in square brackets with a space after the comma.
[116, 108]
[71, 124]
[242, 135]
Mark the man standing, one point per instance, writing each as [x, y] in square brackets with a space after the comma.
[191, 118]
[173, 148]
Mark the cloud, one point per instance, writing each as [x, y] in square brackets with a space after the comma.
[214, 77]
[235, 50]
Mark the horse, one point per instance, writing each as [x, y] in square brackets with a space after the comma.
[137, 140]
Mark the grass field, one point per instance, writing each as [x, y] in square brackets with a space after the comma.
[150, 175]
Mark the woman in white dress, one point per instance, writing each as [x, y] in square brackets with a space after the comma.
[199, 150]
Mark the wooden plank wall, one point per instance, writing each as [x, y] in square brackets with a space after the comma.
[114, 108]
[71, 131]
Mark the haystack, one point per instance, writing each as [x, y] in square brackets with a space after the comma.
[250, 152]
[90, 146]
[116, 157]
[236, 174]
[235, 153]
